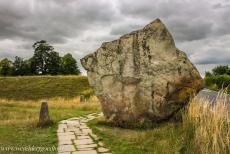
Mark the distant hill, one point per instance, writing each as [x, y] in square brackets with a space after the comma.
[42, 87]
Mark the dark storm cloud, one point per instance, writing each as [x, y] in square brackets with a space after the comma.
[200, 27]
[51, 20]
[188, 20]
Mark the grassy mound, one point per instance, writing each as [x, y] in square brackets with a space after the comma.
[42, 87]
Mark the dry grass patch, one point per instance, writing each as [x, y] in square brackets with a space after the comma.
[210, 124]
[27, 112]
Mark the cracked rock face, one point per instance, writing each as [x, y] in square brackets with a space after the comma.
[142, 76]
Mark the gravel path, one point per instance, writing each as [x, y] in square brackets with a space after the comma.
[75, 137]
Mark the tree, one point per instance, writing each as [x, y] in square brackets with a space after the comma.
[32, 64]
[41, 56]
[53, 63]
[69, 65]
[207, 74]
[6, 67]
[221, 70]
[17, 64]
[21, 67]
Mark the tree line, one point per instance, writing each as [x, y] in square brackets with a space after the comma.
[218, 78]
[43, 62]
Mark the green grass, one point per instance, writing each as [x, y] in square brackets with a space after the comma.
[167, 138]
[18, 121]
[41, 87]
[28, 137]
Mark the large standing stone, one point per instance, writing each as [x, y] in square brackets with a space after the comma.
[142, 75]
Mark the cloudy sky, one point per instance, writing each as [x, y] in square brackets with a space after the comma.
[201, 28]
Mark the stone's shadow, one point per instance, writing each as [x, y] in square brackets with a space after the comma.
[176, 120]
[47, 124]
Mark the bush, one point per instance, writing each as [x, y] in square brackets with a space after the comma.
[221, 81]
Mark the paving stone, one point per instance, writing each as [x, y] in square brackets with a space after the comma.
[74, 118]
[84, 127]
[87, 130]
[100, 114]
[86, 146]
[83, 137]
[83, 141]
[102, 149]
[101, 144]
[72, 129]
[66, 137]
[63, 122]
[67, 129]
[66, 148]
[86, 149]
[85, 152]
[90, 116]
[82, 134]
[94, 137]
[65, 133]
[60, 130]
[78, 130]
[65, 142]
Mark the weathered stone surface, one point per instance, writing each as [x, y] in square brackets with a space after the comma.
[83, 141]
[86, 152]
[142, 75]
[44, 118]
[83, 146]
[66, 148]
[101, 149]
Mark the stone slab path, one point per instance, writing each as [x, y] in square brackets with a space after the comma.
[75, 137]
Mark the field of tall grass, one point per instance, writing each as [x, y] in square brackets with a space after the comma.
[209, 125]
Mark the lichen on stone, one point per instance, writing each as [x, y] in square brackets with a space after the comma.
[142, 76]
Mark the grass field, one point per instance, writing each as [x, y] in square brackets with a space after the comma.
[20, 99]
[42, 87]
[205, 129]
[18, 121]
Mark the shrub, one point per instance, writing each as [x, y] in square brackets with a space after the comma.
[221, 81]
